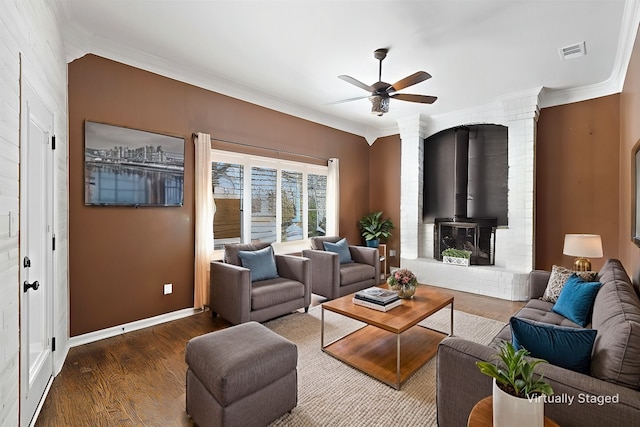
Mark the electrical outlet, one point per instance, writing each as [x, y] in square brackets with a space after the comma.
[392, 252]
[168, 288]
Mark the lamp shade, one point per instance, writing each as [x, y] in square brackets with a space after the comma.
[583, 245]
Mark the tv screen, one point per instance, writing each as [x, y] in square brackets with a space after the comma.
[128, 167]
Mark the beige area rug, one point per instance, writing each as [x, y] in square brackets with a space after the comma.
[331, 393]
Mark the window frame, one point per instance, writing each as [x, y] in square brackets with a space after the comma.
[249, 161]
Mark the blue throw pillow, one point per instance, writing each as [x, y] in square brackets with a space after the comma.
[261, 263]
[341, 247]
[563, 346]
[576, 300]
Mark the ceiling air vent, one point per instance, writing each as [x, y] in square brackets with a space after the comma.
[573, 51]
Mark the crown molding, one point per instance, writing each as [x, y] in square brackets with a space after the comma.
[628, 34]
[79, 42]
[615, 82]
[221, 85]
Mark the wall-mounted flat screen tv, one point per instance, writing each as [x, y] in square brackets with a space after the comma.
[128, 167]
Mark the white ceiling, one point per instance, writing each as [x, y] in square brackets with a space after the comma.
[286, 55]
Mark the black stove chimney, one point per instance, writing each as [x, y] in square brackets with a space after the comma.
[461, 173]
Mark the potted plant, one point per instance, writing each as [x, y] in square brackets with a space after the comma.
[403, 282]
[517, 392]
[373, 228]
[456, 256]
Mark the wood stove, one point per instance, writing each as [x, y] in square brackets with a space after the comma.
[476, 235]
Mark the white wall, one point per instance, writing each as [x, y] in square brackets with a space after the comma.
[29, 28]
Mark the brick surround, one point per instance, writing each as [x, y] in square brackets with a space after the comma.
[507, 279]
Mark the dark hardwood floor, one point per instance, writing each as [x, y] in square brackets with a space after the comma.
[138, 379]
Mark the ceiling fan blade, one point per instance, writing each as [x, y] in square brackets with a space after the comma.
[423, 99]
[411, 80]
[349, 100]
[355, 82]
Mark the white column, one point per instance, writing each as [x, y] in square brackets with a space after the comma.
[521, 112]
[412, 135]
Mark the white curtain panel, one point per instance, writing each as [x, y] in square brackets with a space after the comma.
[205, 209]
[333, 198]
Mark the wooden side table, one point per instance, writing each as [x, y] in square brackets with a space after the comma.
[382, 250]
[482, 415]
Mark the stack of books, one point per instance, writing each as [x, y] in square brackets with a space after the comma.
[377, 298]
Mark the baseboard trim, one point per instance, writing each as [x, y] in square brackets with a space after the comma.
[129, 327]
[36, 414]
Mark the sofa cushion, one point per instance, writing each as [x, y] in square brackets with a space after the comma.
[341, 247]
[538, 311]
[613, 270]
[231, 251]
[356, 272]
[503, 335]
[541, 311]
[616, 316]
[269, 293]
[261, 263]
[576, 300]
[569, 348]
[558, 278]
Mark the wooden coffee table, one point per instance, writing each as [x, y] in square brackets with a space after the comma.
[391, 346]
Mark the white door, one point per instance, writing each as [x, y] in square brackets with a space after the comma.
[36, 253]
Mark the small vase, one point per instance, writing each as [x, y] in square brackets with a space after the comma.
[404, 291]
[509, 410]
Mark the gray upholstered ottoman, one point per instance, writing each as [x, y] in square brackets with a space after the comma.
[242, 376]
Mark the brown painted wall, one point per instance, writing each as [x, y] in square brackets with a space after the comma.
[629, 136]
[120, 257]
[577, 178]
[384, 192]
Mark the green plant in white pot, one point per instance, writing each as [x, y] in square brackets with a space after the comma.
[373, 228]
[456, 256]
[517, 391]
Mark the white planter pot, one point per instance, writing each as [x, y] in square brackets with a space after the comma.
[455, 261]
[509, 410]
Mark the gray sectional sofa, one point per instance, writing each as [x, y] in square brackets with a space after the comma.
[608, 396]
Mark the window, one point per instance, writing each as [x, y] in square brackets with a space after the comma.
[317, 211]
[263, 204]
[292, 197]
[227, 192]
[259, 199]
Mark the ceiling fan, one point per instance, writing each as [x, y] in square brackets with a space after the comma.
[381, 91]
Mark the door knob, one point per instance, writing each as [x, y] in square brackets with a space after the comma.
[35, 285]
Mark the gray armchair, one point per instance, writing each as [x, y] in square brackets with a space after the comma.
[238, 299]
[331, 279]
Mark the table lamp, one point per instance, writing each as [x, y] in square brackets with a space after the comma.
[582, 246]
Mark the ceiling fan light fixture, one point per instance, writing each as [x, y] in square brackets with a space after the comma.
[381, 91]
[379, 105]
